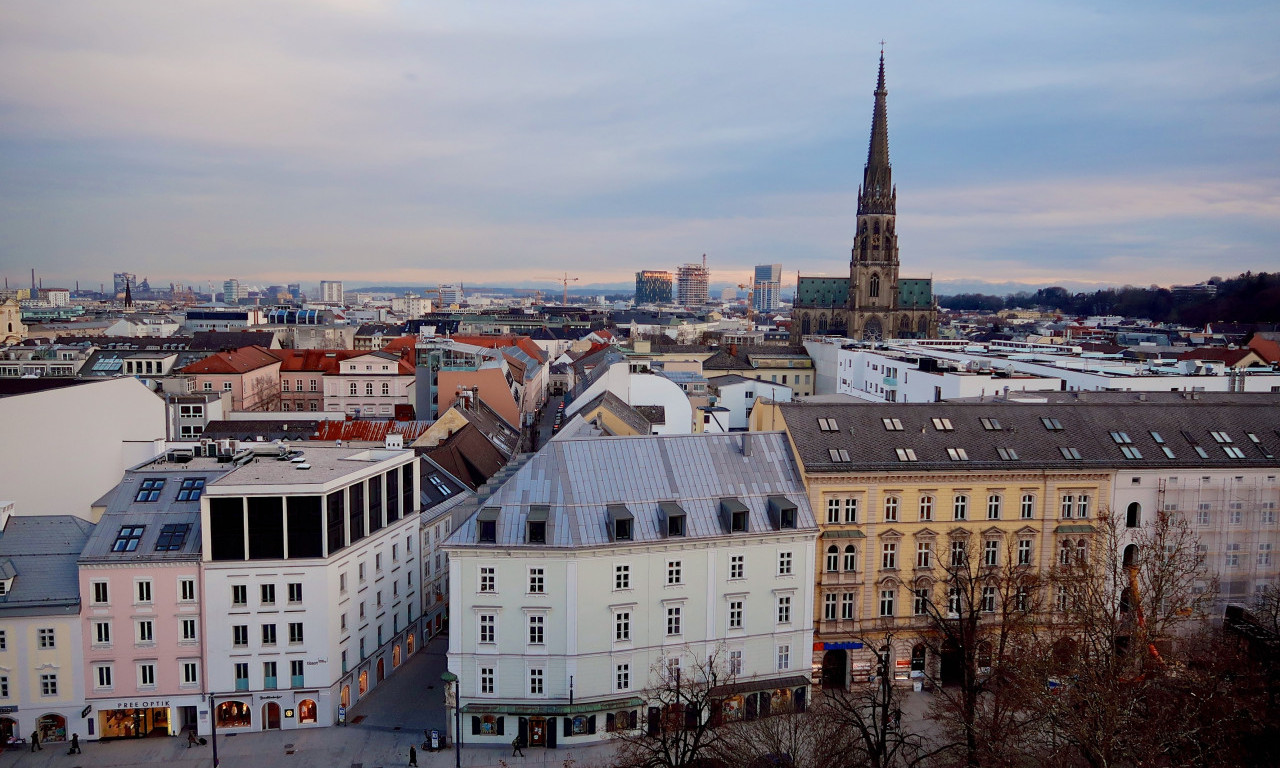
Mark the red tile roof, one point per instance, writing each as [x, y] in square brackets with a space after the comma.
[1222, 354]
[238, 361]
[369, 431]
[313, 360]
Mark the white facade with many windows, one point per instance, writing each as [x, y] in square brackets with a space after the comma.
[604, 560]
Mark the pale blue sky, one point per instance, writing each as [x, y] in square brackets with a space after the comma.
[500, 141]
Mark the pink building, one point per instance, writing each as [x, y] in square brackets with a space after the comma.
[250, 374]
[139, 580]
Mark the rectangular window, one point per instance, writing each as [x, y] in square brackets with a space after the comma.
[889, 555]
[295, 632]
[240, 635]
[242, 675]
[1024, 552]
[926, 508]
[988, 599]
[146, 675]
[674, 572]
[990, 552]
[784, 609]
[103, 676]
[535, 682]
[622, 677]
[486, 680]
[269, 675]
[297, 671]
[488, 627]
[188, 629]
[1082, 506]
[829, 607]
[960, 507]
[735, 663]
[784, 563]
[784, 657]
[622, 626]
[102, 632]
[833, 511]
[622, 577]
[100, 593]
[187, 590]
[959, 554]
[1233, 555]
[128, 538]
[1068, 506]
[45, 638]
[957, 454]
[148, 491]
[673, 620]
[268, 634]
[49, 684]
[537, 628]
[846, 605]
[735, 614]
[1028, 506]
[993, 507]
[146, 632]
[191, 489]
[239, 594]
[1264, 553]
[488, 579]
[737, 565]
[924, 554]
[537, 581]
[295, 592]
[886, 602]
[268, 594]
[190, 673]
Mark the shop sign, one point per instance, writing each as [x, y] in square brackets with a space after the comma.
[847, 646]
[141, 704]
[8, 710]
[87, 709]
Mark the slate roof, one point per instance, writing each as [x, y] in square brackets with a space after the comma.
[618, 407]
[469, 456]
[215, 341]
[40, 552]
[579, 479]
[723, 361]
[654, 414]
[434, 499]
[283, 428]
[861, 435]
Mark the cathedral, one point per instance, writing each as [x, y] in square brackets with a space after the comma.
[873, 302]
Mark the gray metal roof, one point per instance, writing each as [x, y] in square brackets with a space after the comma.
[579, 479]
[1085, 427]
[41, 552]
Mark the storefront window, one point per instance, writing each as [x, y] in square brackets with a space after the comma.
[364, 681]
[306, 711]
[731, 708]
[780, 701]
[234, 714]
[8, 729]
[133, 723]
[346, 695]
[410, 642]
[395, 655]
[52, 727]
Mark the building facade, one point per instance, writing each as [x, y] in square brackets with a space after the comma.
[669, 551]
[767, 288]
[331, 291]
[692, 283]
[653, 287]
[874, 302]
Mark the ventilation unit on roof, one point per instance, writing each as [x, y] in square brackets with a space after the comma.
[303, 465]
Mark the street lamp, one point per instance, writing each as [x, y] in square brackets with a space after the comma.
[451, 690]
[213, 728]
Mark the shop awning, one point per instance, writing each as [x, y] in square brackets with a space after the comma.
[552, 710]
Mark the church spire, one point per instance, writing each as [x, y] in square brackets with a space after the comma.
[877, 194]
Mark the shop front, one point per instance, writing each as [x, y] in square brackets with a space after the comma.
[52, 727]
[549, 725]
[268, 712]
[746, 701]
[134, 719]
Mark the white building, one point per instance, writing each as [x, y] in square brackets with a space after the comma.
[738, 395]
[637, 389]
[603, 559]
[331, 291]
[233, 292]
[310, 590]
[446, 501]
[370, 386]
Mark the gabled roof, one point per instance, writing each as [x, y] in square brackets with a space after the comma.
[215, 341]
[239, 361]
[41, 553]
[630, 416]
[469, 456]
[723, 361]
[313, 360]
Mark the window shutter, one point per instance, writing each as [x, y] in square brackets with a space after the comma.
[568, 726]
[610, 722]
[633, 718]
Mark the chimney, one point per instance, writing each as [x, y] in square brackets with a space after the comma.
[746, 443]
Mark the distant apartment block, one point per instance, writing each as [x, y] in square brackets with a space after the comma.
[692, 283]
[653, 287]
[767, 287]
[331, 291]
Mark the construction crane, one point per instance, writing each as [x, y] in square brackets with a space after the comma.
[564, 282]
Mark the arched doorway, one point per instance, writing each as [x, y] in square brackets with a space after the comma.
[952, 666]
[409, 643]
[395, 656]
[8, 729]
[835, 669]
[381, 670]
[346, 696]
[271, 716]
[1133, 516]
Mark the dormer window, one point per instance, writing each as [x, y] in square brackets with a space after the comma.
[733, 515]
[621, 522]
[487, 525]
[535, 526]
[782, 512]
[673, 517]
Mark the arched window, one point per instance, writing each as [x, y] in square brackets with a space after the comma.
[1082, 550]
[833, 558]
[876, 228]
[1133, 517]
[851, 558]
[364, 681]
[891, 509]
[307, 711]
[873, 289]
[922, 326]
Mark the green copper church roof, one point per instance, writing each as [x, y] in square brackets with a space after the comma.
[822, 291]
[915, 293]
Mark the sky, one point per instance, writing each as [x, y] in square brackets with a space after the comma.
[512, 142]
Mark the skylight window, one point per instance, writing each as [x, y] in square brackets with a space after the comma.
[1168, 452]
[892, 425]
[150, 489]
[1051, 424]
[128, 538]
[1221, 437]
[1156, 436]
[191, 488]
[1070, 453]
[172, 537]
[957, 454]
[1121, 438]
[440, 485]
[1007, 454]
[906, 454]
[991, 425]
[1233, 451]
[838, 454]
[828, 425]
[1202, 453]
[1131, 451]
[943, 425]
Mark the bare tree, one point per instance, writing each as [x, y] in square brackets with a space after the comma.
[679, 730]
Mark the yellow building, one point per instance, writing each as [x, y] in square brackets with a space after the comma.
[896, 486]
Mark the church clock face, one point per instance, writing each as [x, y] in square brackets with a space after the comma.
[875, 240]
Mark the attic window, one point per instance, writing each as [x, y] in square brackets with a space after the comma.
[1121, 438]
[892, 425]
[1221, 437]
[838, 455]
[906, 454]
[487, 525]
[150, 489]
[1051, 424]
[957, 454]
[191, 488]
[128, 538]
[782, 512]
[828, 425]
[1007, 454]
[1233, 452]
[991, 425]
[621, 522]
[440, 485]
[733, 515]
[172, 537]
[535, 526]
[1071, 454]
[673, 515]
[943, 425]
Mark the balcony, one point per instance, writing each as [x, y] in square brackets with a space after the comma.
[890, 381]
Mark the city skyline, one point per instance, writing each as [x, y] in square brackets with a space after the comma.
[375, 143]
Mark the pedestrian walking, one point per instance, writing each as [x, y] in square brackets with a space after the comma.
[75, 745]
[192, 741]
[413, 756]
[515, 747]
[35, 741]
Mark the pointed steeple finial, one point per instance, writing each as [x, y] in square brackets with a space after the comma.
[128, 295]
[877, 177]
